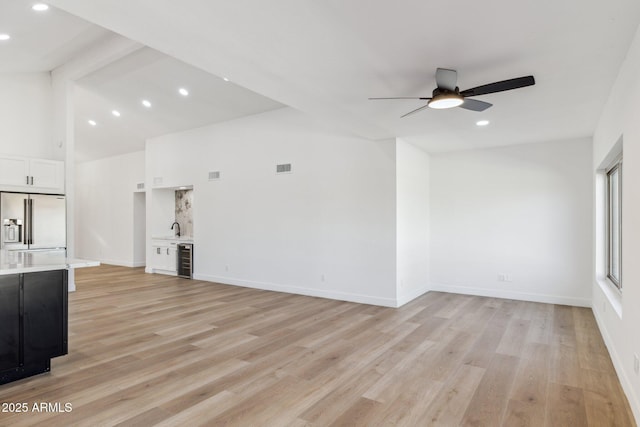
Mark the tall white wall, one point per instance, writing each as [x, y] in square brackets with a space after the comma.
[26, 115]
[412, 206]
[104, 220]
[523, 211]
[326, 229]
[620, 325]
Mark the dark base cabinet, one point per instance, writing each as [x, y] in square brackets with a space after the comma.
[33, 322]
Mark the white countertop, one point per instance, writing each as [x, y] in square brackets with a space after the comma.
[14, 262]
[181, 239]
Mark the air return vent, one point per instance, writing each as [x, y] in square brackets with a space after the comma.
[140, 186]
[214, 175]
[283, 168]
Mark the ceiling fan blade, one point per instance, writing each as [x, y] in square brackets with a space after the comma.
[500, 86]
[475, 105]
[416, 110]
[400, 97]
[446, 79]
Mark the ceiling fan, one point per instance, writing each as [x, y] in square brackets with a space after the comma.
[448, 95]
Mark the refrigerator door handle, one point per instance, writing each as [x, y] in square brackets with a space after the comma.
[25, 227]
[30, 221]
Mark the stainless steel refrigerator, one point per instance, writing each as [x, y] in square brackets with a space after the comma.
[33, 221]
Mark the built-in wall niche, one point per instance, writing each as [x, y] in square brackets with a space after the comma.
[169, 205]
[184, 211]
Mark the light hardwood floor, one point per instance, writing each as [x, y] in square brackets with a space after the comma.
[157, 350]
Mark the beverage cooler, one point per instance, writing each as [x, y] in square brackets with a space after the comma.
[185, 260]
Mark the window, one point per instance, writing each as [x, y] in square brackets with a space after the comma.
[614, 222]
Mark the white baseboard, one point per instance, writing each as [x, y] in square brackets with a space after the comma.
[521, 296]
[626, 383]
[312, 292]
[405, 298]
[118, 262]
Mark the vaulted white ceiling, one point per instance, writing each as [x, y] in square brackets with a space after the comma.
[327, 57]
[149, 75]
[41, 41]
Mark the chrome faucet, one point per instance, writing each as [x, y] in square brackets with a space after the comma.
[173, 225]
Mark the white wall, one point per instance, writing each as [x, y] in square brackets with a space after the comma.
[621, 331]
[412, 205]
[524, 211]
[26, 115]
[104, 219]
[139, 228]
[327, 229]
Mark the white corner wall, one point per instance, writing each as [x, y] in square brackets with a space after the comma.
[26, 117]
[621, 331]
[326, 229]
[412, 233]
[104, 217]
[520, 211]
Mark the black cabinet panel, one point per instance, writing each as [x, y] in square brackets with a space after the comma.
[45, 315]
[9, 322]
[33, 322]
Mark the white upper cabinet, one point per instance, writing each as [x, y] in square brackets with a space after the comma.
[14, 171]
[31, 175]
[47, 174]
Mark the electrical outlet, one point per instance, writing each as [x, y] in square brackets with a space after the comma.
[226, 268]
[504, 277]
[322, 277]
[636, 364]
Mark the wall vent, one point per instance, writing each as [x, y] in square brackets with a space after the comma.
[214, 175]
[283, 168]
[157, 180]
[140, 186]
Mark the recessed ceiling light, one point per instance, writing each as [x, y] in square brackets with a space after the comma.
[116, 113]
[40, 7]
[482, 122]
[225, 79]
[92, 122]
[146, 103]
[5, 37]
[183, 91]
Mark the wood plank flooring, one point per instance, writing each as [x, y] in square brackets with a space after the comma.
[156, 350]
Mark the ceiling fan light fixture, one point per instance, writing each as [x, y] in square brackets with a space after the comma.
[447, 100]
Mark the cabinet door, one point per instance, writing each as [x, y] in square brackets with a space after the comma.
[171, 262]
[47, 174]
[14, 171]
[157, 257]
[9, 321]
[45, 315]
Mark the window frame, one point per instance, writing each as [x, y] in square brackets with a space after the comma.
[615, 168]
